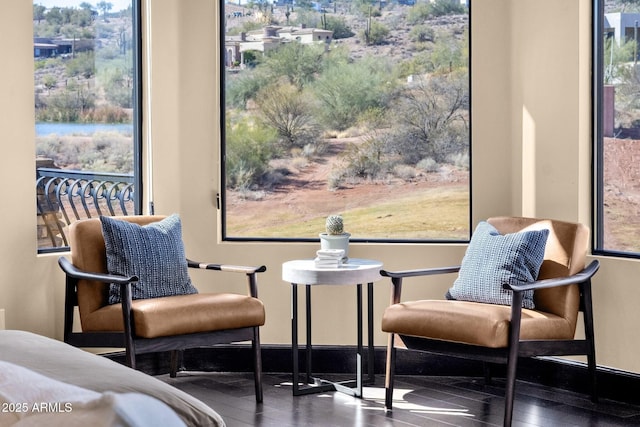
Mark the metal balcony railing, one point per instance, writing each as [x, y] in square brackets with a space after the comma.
[65, 196]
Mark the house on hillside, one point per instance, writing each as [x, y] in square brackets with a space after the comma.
[623, 27]
[269, 38]
[44, 47]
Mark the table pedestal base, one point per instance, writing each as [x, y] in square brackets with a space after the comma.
[318, 385]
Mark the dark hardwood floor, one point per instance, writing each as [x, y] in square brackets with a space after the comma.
[419, 401]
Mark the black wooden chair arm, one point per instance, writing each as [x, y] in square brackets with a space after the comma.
[419, 272]
[74, 272]
[580, 277]
[227, 267]
[248, 270]
[397, 276]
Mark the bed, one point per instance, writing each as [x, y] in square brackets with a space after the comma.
[72, 383]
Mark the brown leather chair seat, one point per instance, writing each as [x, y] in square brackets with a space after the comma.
[485, 325]
[182, 314]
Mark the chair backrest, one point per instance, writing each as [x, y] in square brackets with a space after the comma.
[88, 253]
[565, 254]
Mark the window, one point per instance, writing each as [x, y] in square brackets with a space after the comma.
[356, 108]
[87, 79]
[617, 126]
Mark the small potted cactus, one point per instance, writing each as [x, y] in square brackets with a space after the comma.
[335, 237]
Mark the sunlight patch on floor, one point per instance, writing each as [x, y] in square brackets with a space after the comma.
[373, 400]
[399, 402]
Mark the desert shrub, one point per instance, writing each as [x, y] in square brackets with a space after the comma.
[428, 165]
[289, 112]
[422, 33]
[335, 180]
[249, 147]
[68, 105]
[345, 91]
[103, 152]
[459, 160]
[84, 64]
[49, 81]
[108, 114]
[244, 87]
[431, 119]
[419, 13]
[446, 7]
[339, 27]
[404, 172]
[419, 63]
[245, 27]
[450, 53]
[364, 160]
[119, 89]
[376, 34]
[107, 152]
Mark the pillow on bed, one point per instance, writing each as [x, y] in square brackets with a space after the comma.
[153, 252]
[493, 259]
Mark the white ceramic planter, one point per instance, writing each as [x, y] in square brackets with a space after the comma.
[336, 241]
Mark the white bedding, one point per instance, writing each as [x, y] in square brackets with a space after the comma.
[36, 370]
[30, 399]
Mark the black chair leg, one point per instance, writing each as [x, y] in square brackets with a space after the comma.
[130, 352]
[510, 387]
[390, 374]
[589, 336]
[486, 368]
[174, 362]
[512, 362]
[257, 364]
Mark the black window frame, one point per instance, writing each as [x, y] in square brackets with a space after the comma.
[136, 6]
[220, 196]
[598, 137]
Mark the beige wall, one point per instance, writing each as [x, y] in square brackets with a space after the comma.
[531, 156]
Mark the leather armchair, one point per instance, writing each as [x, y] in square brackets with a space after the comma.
[170, 323]
[501, 333]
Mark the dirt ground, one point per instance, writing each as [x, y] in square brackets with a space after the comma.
[622, 194]
[305, 194]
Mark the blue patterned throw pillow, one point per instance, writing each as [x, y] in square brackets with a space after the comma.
[493, 259]
[153, 252]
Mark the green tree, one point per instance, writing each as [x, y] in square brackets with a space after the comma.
[54, 17]
[347, 90]
[299, 63]
[105, 7]
[38, 12]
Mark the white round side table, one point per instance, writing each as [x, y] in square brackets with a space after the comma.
[355, 272]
